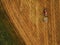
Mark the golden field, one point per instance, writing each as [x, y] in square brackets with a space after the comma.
[27, 17]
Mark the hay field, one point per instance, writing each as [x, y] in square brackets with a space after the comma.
[27, 17]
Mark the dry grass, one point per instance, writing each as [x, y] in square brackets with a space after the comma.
[27, 16]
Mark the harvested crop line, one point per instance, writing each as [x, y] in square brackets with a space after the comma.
[34, 20]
